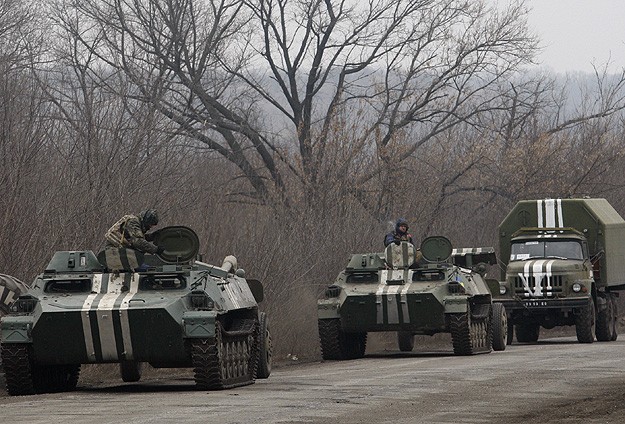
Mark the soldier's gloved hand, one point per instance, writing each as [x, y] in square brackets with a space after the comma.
[160, 250]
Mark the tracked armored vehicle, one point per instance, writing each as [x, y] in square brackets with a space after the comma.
[393, 291]
[123, 307]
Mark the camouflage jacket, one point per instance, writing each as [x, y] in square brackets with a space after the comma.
[127, 232]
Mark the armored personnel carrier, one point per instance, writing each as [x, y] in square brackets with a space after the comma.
[393, 291]
[124, 307]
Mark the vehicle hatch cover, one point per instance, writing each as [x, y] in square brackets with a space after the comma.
[181, 244]
[436, 249]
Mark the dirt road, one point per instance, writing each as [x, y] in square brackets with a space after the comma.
[557, 380]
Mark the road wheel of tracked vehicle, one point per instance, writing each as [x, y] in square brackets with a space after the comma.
[500, 327]
[265, 348]
[229, 359]
[471, 332]
[130, 371]
[337, 344]
[585, 323]
[405, 340]
[18, 369]
[527, 332]
[55, 378]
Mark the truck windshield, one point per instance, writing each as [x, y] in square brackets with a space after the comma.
[555, 249]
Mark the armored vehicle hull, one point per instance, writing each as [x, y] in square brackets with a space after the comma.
[166, 312]
[390, 292]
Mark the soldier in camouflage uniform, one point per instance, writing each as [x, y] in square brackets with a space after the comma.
[130, 232]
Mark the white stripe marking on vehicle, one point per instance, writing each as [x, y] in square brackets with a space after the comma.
[548, 287]
[539, 211]
[392, 307]
[550, 213]
[84, 316]
[561, 224]
[404, 300]
[379, 297]
[123, 317]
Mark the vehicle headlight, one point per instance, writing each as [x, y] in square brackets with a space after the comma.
[577, 287]
[502, 289]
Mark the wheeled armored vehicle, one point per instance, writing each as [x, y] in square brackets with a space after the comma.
[124, 307]
[397, 291]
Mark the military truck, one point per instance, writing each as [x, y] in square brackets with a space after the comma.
[397, 291]
[124, 307]
[564, 265]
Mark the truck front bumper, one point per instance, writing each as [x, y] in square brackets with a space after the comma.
[542, 304]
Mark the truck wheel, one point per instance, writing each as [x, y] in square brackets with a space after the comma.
[405, 340]
[510, 333]
[527, 332]
[615, 315]
[500, 327]
[585, 323]
[605, 319]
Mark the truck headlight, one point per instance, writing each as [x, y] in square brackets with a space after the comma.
[503, 289]
[577, 287]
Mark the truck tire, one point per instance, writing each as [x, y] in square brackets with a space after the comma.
[585, 323]
[405, 340]
[500, 327]
[510, 333]
[527, 332]
[605, 325]
[615, 312]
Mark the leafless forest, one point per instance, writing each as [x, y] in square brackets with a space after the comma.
[288, 133]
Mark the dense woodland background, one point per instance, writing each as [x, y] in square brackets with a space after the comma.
[288, 133]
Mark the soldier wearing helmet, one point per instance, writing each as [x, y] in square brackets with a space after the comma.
[400, 234]
[130, 232]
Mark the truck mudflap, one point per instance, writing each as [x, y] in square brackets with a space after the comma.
[539, 304]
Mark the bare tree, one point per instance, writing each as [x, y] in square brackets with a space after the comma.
[216, 68]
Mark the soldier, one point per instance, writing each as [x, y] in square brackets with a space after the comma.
[130, 232]
[400, 234]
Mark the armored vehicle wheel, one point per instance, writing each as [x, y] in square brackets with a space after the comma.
[405, 340]
[471, 332]
[500, 327]
[130, 371]
[527, 332]
[337, 344]
[265, 348]
[55, 378]
[605, 319]
[585, 323]
[18, 370]
[229, 359]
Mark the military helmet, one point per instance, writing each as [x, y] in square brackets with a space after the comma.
[148, 218]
